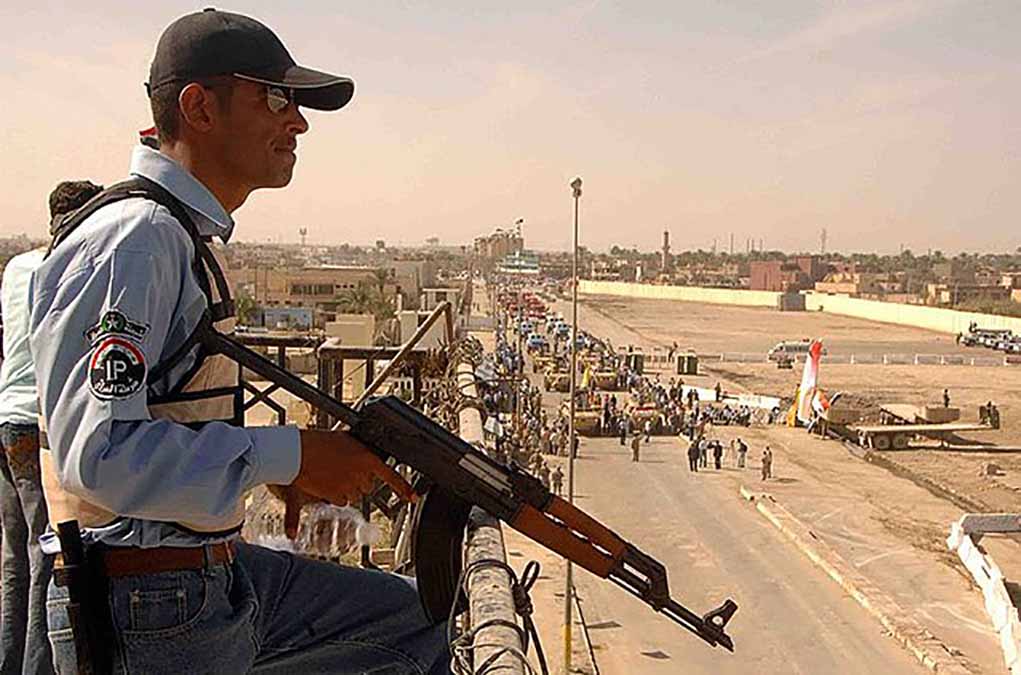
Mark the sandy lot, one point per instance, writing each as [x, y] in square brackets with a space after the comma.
[716, 328]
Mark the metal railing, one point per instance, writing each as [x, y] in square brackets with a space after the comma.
[280, 343]
[870, 359]
[496, 645]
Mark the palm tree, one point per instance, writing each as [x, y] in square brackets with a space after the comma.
[366, 299]
[245, 309]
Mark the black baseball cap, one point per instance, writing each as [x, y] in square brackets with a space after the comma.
[212, 43]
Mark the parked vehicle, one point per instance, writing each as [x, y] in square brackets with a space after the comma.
[535, 342]
[790, 349]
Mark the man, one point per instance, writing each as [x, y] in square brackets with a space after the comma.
[767, 463]
[143, 446]
[693, 456]
[558, 480]
[544, 474]
[24, 647]
[742, 453]
[636, 444]
[946, 398]
[717, 455]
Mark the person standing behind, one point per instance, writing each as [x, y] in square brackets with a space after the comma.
[767, 463]
[693, 456]
[24, 647]
[742, 453]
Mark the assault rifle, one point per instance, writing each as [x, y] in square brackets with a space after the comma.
[461, 476]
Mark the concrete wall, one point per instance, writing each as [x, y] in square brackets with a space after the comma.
[919, 316]
[716, 296]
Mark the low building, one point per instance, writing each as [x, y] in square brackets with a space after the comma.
[287, 318]
[432, 297]
[780, 276]
[956, 294]
[854, 284]
[322, 289]
[410, 320]
[411, 276]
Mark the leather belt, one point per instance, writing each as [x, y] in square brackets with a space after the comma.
[132, 561]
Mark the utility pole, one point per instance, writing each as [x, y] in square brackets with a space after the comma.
[571, 436]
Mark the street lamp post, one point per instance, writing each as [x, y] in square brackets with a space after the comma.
[572, 437]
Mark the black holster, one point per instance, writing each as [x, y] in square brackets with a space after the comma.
[87, 608]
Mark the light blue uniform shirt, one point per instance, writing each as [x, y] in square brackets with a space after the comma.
[19, 398]
[134, 257]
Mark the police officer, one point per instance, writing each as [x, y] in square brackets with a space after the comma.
[143, 446]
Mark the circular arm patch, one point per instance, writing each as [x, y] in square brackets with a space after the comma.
[116, 369]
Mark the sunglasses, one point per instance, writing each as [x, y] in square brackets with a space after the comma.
[278, 98]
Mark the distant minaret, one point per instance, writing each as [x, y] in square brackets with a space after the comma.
[822, 242]
[303, 232]
[665, 262]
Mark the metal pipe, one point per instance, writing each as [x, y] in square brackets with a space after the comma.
[490, 599]
[398, 359]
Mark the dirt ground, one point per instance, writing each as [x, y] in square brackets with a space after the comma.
[724, 328]
[718, 328]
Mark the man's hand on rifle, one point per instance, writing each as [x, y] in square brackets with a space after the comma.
[336, 468]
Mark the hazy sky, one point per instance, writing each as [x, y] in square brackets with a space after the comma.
[888, 123]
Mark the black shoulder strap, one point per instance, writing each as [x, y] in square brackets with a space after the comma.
[139, 187]
[70, 222]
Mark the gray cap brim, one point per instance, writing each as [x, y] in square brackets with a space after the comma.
[312, 88]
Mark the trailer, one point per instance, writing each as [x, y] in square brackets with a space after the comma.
[899, 436]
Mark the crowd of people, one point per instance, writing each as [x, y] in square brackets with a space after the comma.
[521, 432]
[526, 434]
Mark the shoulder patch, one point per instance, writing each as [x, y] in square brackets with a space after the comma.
[116, 322]
[117, 369]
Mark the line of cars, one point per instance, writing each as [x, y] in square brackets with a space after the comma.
[1000, 339]
[538, 332]
[536, 322]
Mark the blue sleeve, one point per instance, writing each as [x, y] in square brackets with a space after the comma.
[105, 444]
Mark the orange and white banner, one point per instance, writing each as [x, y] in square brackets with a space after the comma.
[809, 382]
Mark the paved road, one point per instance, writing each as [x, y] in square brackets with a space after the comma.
[792, 618]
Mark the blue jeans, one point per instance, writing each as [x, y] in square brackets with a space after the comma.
[26, 570]
[267, 612]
